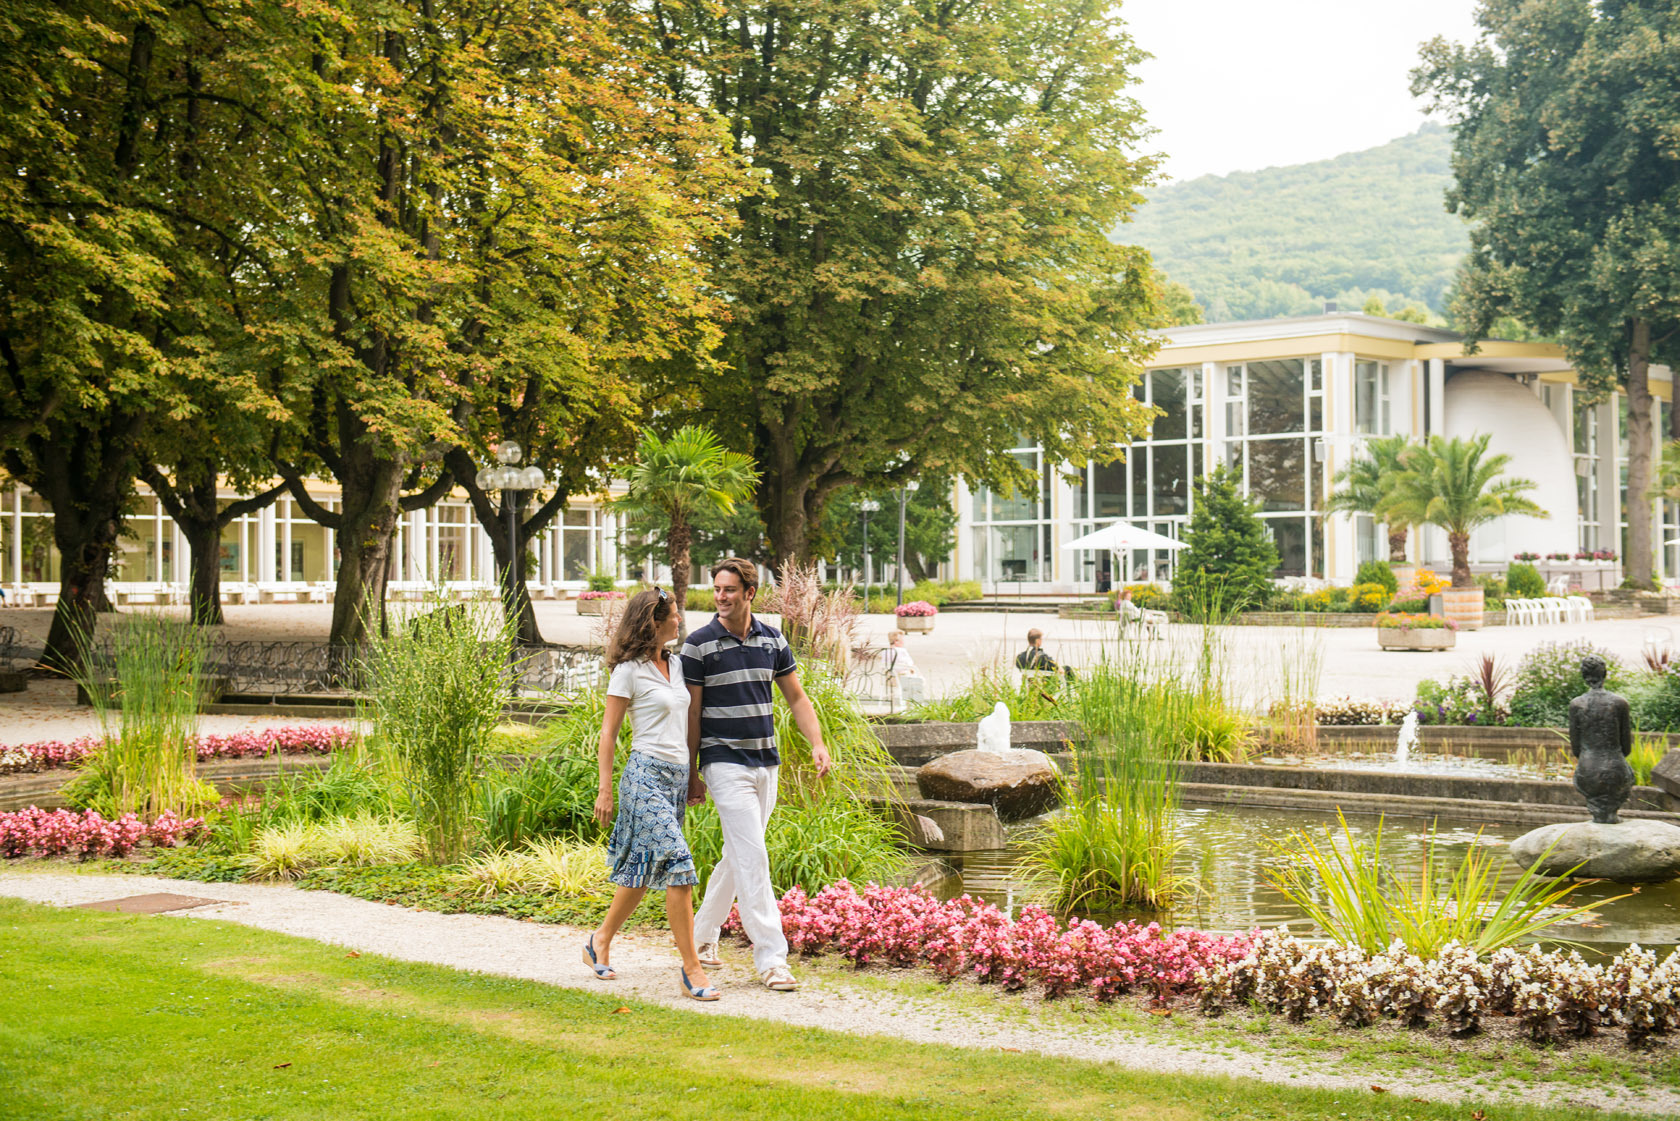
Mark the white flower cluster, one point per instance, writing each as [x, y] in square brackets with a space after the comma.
[1360, 711]
[14, 759]
[1550, 993]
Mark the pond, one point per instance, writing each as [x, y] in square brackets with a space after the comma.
[1538, 765]
[1227, 850]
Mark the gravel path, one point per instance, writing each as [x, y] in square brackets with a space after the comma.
[647, 968]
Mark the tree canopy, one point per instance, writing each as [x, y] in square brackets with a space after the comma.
[925, 272]
[1564, 161]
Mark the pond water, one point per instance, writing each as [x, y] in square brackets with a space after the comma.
[1536, 766]
[1227, 850]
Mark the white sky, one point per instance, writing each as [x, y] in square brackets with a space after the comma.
[1238, 85]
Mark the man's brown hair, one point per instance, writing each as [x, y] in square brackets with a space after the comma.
[745, 570]
[1034, 635]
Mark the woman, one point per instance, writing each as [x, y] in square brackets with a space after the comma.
[647, 849]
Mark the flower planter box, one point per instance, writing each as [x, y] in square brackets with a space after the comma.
[1463, 607]
[1396, 638]
[918, 624]
[595, 606]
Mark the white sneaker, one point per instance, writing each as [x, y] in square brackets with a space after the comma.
[780, 979]
[708, 954]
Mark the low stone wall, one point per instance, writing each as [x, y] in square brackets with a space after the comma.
[1443, 739]
[914, 744]
[41, 788]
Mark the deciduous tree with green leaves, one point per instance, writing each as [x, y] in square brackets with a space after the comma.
[927, 273]
[673, 480]
[1456, 485]
[1565, 163]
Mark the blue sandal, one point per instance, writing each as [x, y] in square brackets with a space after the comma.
[602, 972]
[707, 993]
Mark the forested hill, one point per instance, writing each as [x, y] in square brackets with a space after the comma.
[1282, 241]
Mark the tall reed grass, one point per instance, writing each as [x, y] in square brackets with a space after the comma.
[145, 685]
[1038, 697]
[1344, 885]
[437, 685]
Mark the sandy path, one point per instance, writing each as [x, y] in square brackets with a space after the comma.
[647, 968]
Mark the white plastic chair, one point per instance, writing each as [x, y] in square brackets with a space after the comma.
[1518, 612]
[1558, 586]
[1580, 609]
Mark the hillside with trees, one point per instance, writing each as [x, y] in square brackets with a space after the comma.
[1282, 241]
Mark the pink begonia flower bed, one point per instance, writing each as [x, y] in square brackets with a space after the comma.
[87, 834]
[906, 926]
[307, 739]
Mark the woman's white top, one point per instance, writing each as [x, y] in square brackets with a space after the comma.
[658, 708]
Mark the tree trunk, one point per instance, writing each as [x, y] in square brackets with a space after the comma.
[782, 506]
[1459, 543]
[1397, 544]
[682, 536]
[204, 588]
[516, 589]
[369, 522]
[84, 549]
[1639, 506]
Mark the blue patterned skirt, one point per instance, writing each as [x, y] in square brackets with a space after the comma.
[647, 848]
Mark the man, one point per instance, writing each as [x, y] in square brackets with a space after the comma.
[729, 665]
[1034, 657]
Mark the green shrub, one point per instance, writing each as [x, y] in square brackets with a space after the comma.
[1523, 581]
[1549, 677]
[1369, 598]
[1493, 591]
[1655, 700]
[600, 581]
[1229, 559]
[1458, 700]
[1148, 597]
[1378, 572]
[1416, 605]
[700, 599]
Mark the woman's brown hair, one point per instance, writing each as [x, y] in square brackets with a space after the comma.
[633, 640]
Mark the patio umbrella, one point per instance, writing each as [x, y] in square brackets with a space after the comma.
[1123, 535]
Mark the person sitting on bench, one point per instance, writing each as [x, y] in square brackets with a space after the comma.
[1034, 659]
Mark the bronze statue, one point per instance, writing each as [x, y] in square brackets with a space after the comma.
[1601, 737]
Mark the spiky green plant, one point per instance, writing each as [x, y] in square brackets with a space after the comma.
[1456, 485]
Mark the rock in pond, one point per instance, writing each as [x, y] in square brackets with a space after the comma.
[1635, 851]
[1016, 783]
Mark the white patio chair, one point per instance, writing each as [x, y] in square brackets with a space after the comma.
[1558, 586]
[1517, 613]
[1580, 609]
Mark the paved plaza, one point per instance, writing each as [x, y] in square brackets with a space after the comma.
[1252, 660]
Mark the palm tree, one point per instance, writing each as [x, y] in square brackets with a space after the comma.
[1363, 486]
[673, 480]
[1456, 484]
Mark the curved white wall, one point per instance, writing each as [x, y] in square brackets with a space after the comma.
[1481, 401]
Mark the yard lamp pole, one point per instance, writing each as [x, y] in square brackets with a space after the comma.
[868, 506]
[904, 492]
[510, 479]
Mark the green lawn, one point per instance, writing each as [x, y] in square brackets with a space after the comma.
[124, 1016]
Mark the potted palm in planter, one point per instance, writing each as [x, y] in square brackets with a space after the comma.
[1366, 486]
[917, 615]
[1455, 484]
[1400, 631]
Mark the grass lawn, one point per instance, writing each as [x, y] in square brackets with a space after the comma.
[127, 1016]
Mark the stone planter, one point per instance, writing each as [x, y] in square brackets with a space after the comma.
[1435, 638]
[1463, 606]
[595, 606]
[916, 624]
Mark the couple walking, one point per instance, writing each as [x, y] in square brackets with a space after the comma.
[699, 719]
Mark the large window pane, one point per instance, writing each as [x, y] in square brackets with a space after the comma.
[1290, 535]
[1370, 398]
[1169, 389]
[575, 554]
[1108, 490]
[1277, 474]
[1138, 458]
[1275, 396]
[1021, 506]
[1172, 480]
[1015, 552]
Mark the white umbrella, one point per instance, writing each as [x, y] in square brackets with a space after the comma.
[1123, 535]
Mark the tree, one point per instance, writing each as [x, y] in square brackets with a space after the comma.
[1229, 558]
[927, 272]
[678, 479]
[501, 212]
[1453, 483]
[930, 525]
[131, 135]
[1365, 486]
[1565, 163]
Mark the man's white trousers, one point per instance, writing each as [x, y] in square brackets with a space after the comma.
[744, 797]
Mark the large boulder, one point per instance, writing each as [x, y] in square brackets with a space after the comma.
[1665, 776]
[1015, 783]
[1634, 851]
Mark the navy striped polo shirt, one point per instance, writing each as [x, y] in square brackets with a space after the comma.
[736, 679]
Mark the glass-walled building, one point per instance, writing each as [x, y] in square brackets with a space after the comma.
[1284, 404]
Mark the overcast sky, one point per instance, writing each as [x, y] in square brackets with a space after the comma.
[1238, 85]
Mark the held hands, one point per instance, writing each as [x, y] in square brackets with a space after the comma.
[696, 789]
[604, 805]
[819, 756]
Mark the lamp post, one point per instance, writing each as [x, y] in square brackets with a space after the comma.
[904, 493]
[510, 479]
[868, 506]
